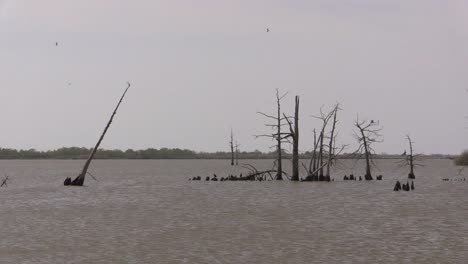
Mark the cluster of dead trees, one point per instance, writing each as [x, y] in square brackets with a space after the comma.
[325, 150]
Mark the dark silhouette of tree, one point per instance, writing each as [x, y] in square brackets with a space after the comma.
[294, 134]
[78, 181]
[231, 145]
[367, 135]
[278, 136]
[410, 159]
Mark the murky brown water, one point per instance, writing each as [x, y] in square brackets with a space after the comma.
[148, 212]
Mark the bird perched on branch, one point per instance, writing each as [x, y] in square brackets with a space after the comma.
[267, 30]
[404, 153]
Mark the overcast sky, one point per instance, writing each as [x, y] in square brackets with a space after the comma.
[198, 68]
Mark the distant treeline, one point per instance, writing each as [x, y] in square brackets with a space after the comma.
[151, 153]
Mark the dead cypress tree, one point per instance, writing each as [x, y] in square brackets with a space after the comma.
[367, 135]
[321, 147]
[313, 163]
[294, 134]
[410, 159]
[331, 147]
[295, 174]
[231, 143]
[237, 153]
[279, 136]
[79, 180]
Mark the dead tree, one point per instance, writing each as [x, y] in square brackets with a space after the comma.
[278, 136]
[294, 134]
[368, 133]
[231, 144]
[323, 156]
[409, 159]
[79, 180]
[313, 163]
[331, 146]
[237, 153]
[319, 161]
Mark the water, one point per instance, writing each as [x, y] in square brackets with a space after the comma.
[146, 211]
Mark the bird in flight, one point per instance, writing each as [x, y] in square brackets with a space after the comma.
[268, 30]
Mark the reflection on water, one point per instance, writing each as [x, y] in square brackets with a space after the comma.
[148, 212]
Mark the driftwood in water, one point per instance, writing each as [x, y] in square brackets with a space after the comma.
[79, 180]
[4, 182]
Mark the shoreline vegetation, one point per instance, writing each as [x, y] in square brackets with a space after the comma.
[462, 159]
[78, 153]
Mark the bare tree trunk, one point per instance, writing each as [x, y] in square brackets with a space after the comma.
[278, 135]
[367, 135]
[411, 160]
[79, 181]
[317, 159]
[321, 178]
[232, 148]
[368, 175]
[295, 158]
[279, 173]
[314, 153]
[330, 146]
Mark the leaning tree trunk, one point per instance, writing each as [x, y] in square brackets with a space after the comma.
[314, 153]
[295, 158]
[79, 181]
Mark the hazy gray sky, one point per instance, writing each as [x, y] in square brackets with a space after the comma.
[200, 67]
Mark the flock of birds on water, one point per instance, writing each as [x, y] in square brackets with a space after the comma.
[398, 186]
